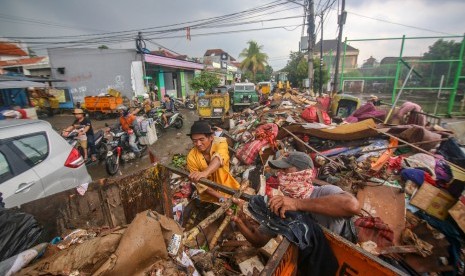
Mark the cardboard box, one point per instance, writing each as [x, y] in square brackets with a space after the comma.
[457, 212]
[433, 201]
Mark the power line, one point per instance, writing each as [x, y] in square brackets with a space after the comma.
[222, 17]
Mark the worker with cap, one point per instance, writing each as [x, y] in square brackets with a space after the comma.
[329, 205]
[83, 125]
[209, 158]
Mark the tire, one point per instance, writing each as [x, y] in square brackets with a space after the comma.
[159, 129]
[111, 165]
[102, 151]
[178, 123]
[191, 106]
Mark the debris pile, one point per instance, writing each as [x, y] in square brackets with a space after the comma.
[409, 180]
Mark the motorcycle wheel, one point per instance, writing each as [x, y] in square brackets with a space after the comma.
[178, 123]
[102, 151]
[159, 129]
[111, 165]
[191, 106]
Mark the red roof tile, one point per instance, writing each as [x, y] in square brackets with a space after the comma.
[11, 49]
[20, 62]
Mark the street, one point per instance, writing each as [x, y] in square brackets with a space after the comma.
[172, 141]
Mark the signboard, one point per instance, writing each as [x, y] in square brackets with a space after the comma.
[304, 43]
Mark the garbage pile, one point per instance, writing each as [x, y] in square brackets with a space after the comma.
[408, 178]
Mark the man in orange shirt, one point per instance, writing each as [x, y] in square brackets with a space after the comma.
[128, 123]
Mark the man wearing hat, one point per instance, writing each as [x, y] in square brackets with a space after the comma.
[209, 158]
[329, 205]
[83, 125]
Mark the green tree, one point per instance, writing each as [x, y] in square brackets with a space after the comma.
[432, 72]
[103, 47]
[205, 80]
[254, 59]
[266, 74]
[297, 68]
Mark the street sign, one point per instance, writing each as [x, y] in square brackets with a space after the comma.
[148, 78]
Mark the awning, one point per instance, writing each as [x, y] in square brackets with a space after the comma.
[172, 62]
[21, 84]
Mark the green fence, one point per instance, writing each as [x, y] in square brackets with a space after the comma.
[435, 82]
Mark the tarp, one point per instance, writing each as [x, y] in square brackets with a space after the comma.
[20, 84]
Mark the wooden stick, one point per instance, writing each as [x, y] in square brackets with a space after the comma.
[208, 183]
[418, 148]
[218, 232]
[308, 146]
[405, 145]
[226, 220]
[191, 234]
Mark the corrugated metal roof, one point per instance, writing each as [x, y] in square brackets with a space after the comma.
[20, 62]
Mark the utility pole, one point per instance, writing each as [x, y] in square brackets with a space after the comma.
[341, 20]
[321, 56]
[311, 41]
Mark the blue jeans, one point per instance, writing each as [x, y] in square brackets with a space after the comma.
[133, 144]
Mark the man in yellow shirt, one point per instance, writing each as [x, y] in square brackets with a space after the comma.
[209, 158]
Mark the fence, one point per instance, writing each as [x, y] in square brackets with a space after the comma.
[435, 82]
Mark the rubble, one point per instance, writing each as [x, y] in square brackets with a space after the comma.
[408, 179]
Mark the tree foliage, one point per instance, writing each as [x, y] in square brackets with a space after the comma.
[441, 50]
[205, 80]
[254, 59]
[103, 47]
[265, 75]
[297, 68]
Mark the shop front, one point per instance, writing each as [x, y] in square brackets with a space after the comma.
[170, 75]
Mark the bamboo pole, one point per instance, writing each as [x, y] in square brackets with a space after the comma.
[405, 145]
[418, 148]
[308, 146]
[191, 234]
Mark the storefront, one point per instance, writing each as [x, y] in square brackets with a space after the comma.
[171, 75]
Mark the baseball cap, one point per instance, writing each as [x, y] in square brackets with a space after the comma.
[200, 127]
[296, 159]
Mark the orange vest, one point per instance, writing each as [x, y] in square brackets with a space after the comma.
[126, 122]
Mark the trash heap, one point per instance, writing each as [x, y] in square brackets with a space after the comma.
[408, 178]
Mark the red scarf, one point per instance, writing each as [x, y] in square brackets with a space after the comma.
[297, 184]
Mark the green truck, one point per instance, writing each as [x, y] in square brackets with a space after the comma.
[244, 95]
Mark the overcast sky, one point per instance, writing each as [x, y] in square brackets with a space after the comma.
[365, 19]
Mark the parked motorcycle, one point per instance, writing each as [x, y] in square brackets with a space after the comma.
[180, 103]
[176, 121]
[100, 143]
[119, 149]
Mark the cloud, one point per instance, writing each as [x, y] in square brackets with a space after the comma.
[60, 18]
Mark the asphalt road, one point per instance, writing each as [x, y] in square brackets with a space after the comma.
[172, 141]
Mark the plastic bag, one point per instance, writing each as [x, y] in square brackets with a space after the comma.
[18, 232]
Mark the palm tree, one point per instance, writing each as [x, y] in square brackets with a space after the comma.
[254, 59]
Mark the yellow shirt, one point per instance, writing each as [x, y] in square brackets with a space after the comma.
[196, 162]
